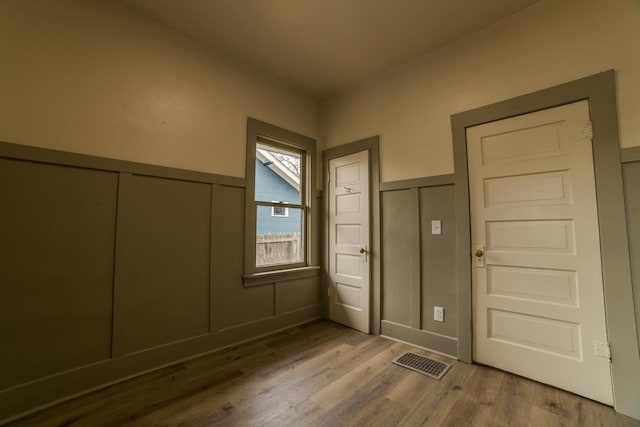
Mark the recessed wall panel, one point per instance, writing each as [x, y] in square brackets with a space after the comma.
[631, 174]
[237, 304]
[532, 284]
[397, 246]
[550, 236]
[438, 260]
[168, 289]
[535, 333]
[57, 237]
[296, 294]
[547, 140]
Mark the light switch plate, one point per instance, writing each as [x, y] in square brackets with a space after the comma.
[438, 314]
[436, 226]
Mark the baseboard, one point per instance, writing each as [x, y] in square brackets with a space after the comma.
[437, 343]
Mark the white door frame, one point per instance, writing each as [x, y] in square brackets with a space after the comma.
[372, 146]
[600, 90]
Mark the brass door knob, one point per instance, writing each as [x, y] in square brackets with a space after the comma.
[362, 250]
[478, 253]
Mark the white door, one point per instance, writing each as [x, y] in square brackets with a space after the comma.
[349, 240]
[537, 280]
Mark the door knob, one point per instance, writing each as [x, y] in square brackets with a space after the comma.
[478, 253]
[362, 250]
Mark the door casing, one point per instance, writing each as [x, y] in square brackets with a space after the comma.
[600, 91]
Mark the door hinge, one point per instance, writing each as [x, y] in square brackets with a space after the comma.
[587, 132]
[603, 349]
[329, 292]
[328, 176]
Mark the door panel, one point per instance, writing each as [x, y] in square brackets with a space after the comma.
[537, 280]
[531, 236]
[349, 240]
[553, 336]
[548, 188]
[533, 284]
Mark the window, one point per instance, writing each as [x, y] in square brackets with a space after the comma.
[279, 211]
[277, 202]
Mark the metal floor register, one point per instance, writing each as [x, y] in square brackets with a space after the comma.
[424, 365]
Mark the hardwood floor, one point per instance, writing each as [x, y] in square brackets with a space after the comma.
[323, 374]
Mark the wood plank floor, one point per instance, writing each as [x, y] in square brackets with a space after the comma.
[323, 374]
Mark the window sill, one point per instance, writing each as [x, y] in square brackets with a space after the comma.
[271, 277]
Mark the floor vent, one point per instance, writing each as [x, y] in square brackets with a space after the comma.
[424, 365]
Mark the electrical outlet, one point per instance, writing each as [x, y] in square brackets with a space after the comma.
[438, 314]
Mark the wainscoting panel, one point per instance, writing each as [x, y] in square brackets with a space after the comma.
[438, 259]
[57, 228]
[419, 268]
[399, 244]
[167, 298]
[631, 174]
[295, 295]
[111, 268]
[238, 305]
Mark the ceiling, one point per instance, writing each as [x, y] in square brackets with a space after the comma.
[324, 46]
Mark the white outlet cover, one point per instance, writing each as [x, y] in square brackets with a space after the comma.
[438, 314]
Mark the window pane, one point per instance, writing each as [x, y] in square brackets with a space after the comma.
[279, 211]
[277, 175]
[279, 239]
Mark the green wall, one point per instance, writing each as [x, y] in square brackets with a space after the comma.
[111, 268]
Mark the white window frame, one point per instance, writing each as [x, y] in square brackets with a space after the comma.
[262, 133]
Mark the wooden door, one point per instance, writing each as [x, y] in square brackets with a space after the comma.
[349, 240]
[537, 280]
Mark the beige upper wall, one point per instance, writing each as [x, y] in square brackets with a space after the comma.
[92, 77]
[552, 42]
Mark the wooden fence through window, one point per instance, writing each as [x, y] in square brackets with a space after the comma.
[278, 248]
